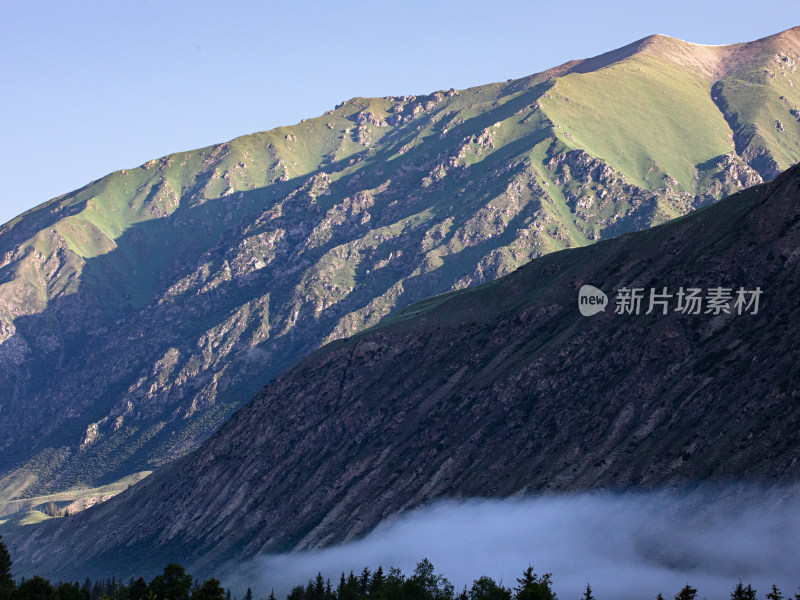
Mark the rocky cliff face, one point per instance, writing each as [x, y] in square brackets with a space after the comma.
[140, 311]
[501, 390]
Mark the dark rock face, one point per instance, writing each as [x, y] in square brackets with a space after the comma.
[499, 390]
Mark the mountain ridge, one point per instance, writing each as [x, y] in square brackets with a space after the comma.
[138, 312]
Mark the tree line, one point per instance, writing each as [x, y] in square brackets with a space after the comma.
[423, 584]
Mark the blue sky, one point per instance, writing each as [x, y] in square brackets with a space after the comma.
[92, 87]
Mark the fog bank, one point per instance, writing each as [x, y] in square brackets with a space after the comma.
[632, 545]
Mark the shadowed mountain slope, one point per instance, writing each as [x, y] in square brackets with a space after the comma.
[497, 391]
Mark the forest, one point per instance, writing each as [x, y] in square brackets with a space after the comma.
[423, 584]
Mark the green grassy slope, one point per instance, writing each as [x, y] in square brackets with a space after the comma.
[633, 115]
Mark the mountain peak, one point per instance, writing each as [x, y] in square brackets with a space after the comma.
[659, 45]
[711, 60]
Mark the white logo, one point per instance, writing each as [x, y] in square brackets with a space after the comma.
[591, 300]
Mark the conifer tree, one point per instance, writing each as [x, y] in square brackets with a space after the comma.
[740, 592]
[298, 593]
[774, 593]
[319, 587]
[535, 587]
[377, 582]
[687, 593]
[7, 585]
[310, 590]
[587, 595]
[363, 582]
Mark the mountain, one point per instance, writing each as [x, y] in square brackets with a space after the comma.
[138, 312]
[497, 391]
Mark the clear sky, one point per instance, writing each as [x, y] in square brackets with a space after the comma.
[91, 87]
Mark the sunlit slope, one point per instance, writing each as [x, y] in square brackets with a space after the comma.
[760, 93]
[88, 222]
[646, 116]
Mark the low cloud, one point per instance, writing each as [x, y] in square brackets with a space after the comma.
[632, 545]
